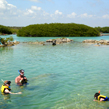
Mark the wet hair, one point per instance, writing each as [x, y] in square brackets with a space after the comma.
[7, 82]
[96, 95]
[21, 70]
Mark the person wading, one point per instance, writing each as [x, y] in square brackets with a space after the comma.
[6, 89]
[21, 79]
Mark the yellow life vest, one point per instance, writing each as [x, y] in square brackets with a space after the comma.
[101, 96]
[4, 87]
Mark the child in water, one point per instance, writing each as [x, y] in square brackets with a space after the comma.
[6, 89]
[99, 97]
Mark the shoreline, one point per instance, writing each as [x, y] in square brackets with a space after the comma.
[9, 44]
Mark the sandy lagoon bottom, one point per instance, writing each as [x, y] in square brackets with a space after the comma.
[65, 76]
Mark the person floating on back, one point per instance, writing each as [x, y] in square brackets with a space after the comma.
[5, 89]
[99, 97]
[21, 79]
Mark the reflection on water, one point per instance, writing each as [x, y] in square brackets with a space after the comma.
[65, 76]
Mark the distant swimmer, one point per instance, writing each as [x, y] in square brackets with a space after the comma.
[6, 89]
[99, 97]
[21, 79]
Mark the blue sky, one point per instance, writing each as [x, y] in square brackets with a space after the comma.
[93, 13]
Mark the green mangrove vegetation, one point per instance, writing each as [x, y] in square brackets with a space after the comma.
[103, 29]
[14, 29]
[57, 30]
[5, 30]
[5, 40]
[54, 30]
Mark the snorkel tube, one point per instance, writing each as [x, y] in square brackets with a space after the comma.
[21, 71]
[5, 83]
[99, 91]
[2, 80]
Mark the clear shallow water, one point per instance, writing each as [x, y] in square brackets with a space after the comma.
[65, 76]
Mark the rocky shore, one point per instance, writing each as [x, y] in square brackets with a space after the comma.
[51, 41]
[98, 42]
[9, 44]
[59, 41]
[36, 43]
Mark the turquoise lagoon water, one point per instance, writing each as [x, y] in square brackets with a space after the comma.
[64, 76]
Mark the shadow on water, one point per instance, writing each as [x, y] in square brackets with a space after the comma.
[45, 82]
[41, 83]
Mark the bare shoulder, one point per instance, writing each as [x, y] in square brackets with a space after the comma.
[18, 77]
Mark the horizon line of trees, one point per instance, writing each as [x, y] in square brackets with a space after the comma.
[5, 30]
[103, 29]
[54, 29]
[57, 30]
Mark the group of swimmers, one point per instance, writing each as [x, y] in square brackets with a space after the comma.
[20, 80]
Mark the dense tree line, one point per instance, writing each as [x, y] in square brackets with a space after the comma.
[5, 30]
[54, 29]
[57, 29]
[103, 29]
[14, 29]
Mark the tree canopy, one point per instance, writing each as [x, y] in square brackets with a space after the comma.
[57, 30]
[5, 30]
[103, 29]
[14, 29]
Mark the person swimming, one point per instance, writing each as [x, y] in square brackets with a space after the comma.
[21, 79]
[6, 89]
[100, 97]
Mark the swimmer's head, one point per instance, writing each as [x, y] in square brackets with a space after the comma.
[21, 72]
[96, 95]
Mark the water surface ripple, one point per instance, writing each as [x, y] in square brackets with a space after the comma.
[65, 76]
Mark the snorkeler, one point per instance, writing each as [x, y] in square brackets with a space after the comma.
[21, 79]
[99, 97]
[5, 89]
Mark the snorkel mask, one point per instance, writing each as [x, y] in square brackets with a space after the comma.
[19, 71]
[8, 83]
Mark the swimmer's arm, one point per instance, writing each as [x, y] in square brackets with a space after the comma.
[95, 100]
[25, 78]
[16, 80]
[101, 99]
[7, 91]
